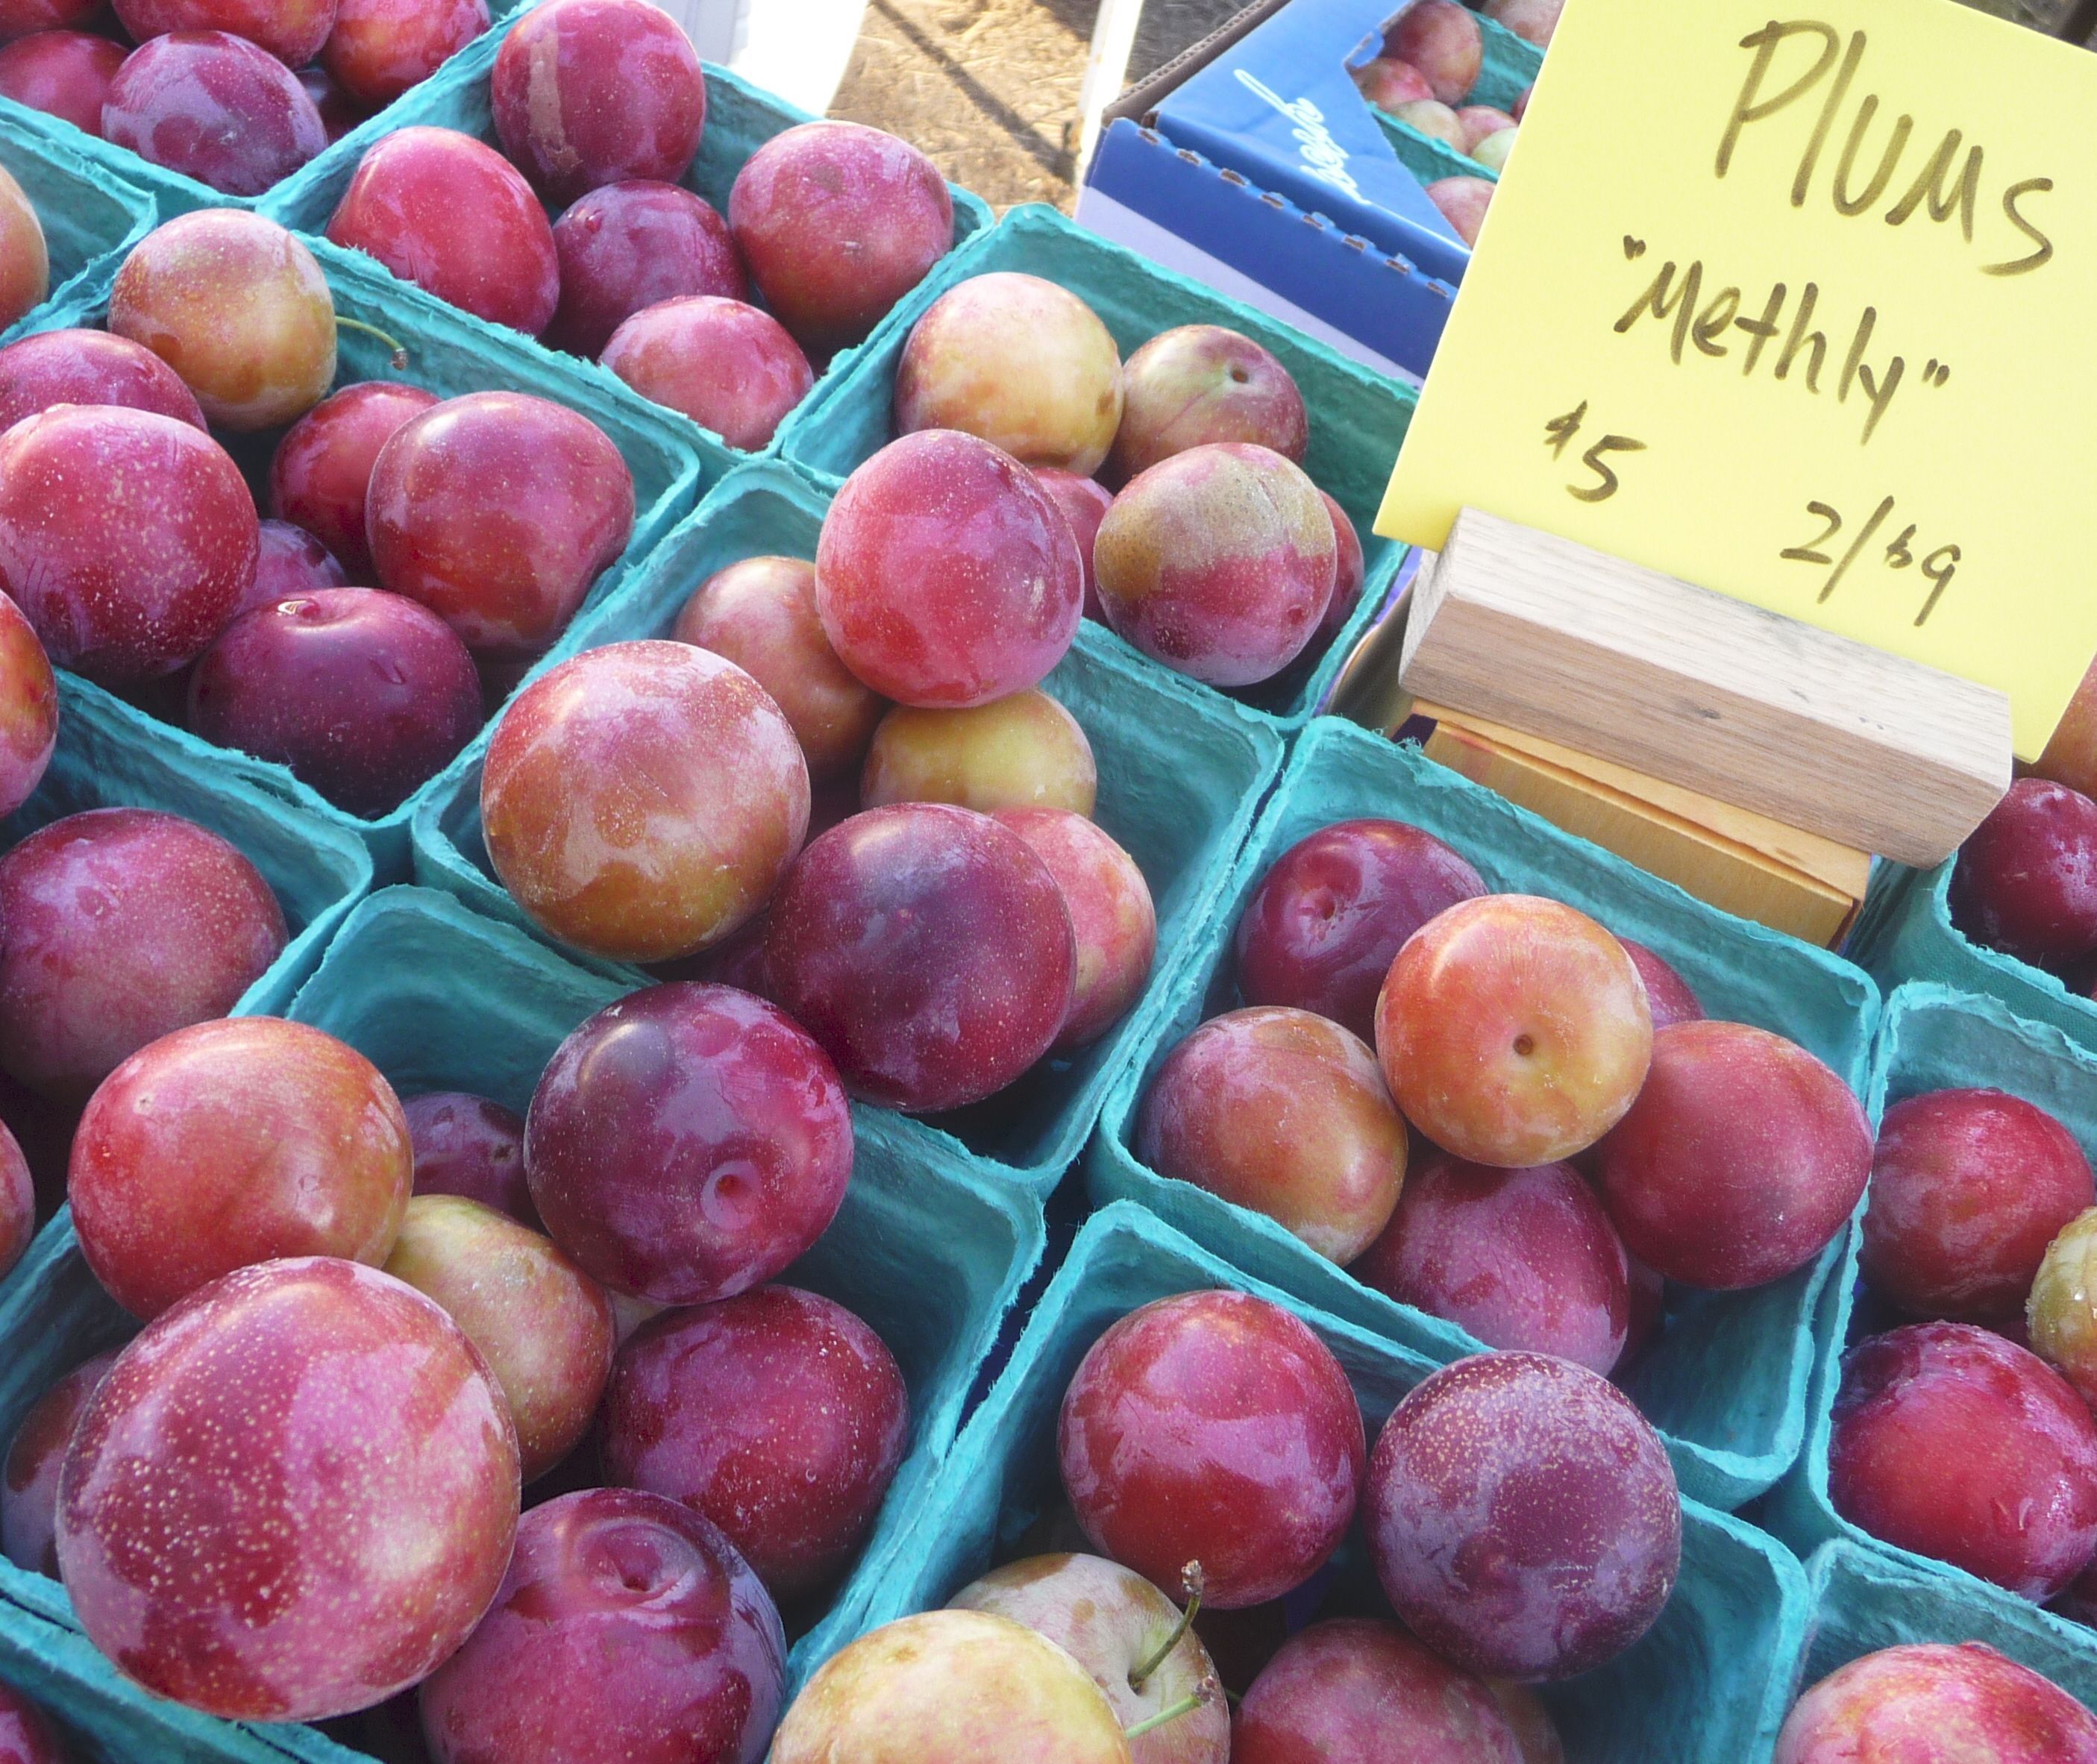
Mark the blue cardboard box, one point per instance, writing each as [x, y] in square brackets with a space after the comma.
[1255, 165]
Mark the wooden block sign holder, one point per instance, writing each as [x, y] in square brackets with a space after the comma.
[1754, 759]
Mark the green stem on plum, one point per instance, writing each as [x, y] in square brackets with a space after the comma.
[1190, 1580]
[400, 351]
[1171, 1712]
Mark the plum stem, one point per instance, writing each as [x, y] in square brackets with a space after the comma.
[1186, 1706]
[394, 344]
[1190, 1582]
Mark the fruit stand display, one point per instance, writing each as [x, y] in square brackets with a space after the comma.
[787, 1097]
[1288, 925]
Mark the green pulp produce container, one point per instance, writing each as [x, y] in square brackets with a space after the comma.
[740, 119]
[1358, 417]
[1181, 772]
[1707, 1684]
[1934, 1039]
[449, 353]
[1727, 1381]
[924, 1249]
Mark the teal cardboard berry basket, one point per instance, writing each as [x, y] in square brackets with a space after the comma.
[1933, 1038]
[925, 1248]
[449, 353]
[1708, 1683]
[1181, 773]
[177, 193]
[1510, 69]
[90, 217]
[1863, 1602]
[1906, 933]
[1726, 1382]
[740, 119]
[1358, 417]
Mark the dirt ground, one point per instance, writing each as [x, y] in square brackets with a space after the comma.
[989, 88]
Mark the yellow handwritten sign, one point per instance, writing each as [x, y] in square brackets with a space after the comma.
[1800, 305]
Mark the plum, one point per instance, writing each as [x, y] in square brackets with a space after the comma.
[1951, 1441]
[127, 538]
[1197, 385]
[291, 1496]
[1388, 83]
[1434, 120]
[1024, 364]
[2070, 757]
[28, 708]
[497, 511]
[777, 1415]
[1113, 920]
[17, 18]
[25, 264]
[587, 93]
[1133, 1641]
[627, 1631]
[1741, 1159]
[1358, 1687]
[380, 48]
[633, 245]
[1026, 751]
[1285, 1113]
[1669, 997]
[760, 614]
[469, 1145]
[340, 112]
[1331, 912]
[1220, 561]
[1514, 1031]
[951, 612]
[1213, 1427]
[216, 108]
[290, 561]
[230, 1143]
[89, 367]
[1349, 571]
[64, 73]
[929, 951]
[320, 476]
[728, 366]
[1084, 502]
[542, 1325]
[365, 695]
[2025, 881]
[26, 1735]
[1520, 1259]
[124, 924]
[642, 800]
[1443, 40]
[237, 307]
[687, 1143]
[837, 222]
[1523, 1516]
[449, 213]
[18, 1202]
[950, 1687]
[1463, 202]
[1929, 1701]
[2059, 1316]
[1532, 20]
[30, 1484]
[291, 30]
[1967, 1188]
